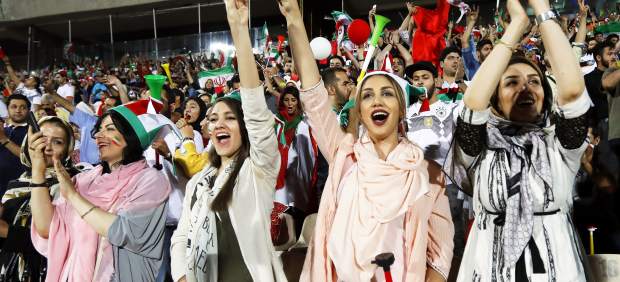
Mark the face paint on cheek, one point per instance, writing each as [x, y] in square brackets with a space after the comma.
[116, 141]
[211, 127]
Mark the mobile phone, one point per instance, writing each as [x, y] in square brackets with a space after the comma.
[32, 121]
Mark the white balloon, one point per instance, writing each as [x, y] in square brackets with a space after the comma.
[321, 48]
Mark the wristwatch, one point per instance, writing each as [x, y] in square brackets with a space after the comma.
[548, 15]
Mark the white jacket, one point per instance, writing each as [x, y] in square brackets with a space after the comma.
[252, 200]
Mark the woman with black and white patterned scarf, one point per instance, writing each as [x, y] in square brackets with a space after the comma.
[518, 158]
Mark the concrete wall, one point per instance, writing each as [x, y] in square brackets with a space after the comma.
[13, 10]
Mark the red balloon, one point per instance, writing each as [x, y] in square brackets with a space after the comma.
[358, 31]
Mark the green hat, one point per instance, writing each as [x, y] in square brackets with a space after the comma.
[143, 117]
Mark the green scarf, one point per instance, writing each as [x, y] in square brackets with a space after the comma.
[287, 125]
[343, 114]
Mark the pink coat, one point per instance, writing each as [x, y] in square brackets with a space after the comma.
[72, 245]
[370, 206]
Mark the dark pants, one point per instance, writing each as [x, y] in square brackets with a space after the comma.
[165, 274]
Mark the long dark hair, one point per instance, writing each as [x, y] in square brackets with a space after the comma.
[548, 98]
[223, 198]
[293, 91]
[201, 114]
[133, 152]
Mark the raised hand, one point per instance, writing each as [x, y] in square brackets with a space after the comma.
[372, 12]
[472, 16]
[517, 13]
[583, 8]
[36, 147]
[289, 8]
[113, 80]
[67, 187]
[237, 13]
[395, 37]
[185, 128]
[160, 146]
[411, 7]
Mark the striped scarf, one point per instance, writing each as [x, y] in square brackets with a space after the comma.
[525, 148]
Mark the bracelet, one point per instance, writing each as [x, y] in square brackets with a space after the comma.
[548, 15]
[500, 42]
[38, 185]
[91, 209]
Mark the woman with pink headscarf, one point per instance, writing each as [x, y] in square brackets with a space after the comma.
[106, 224]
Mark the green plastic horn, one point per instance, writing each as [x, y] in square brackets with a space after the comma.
[155, 83]
[380, 22]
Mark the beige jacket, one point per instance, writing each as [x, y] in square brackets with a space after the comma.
[252, 201]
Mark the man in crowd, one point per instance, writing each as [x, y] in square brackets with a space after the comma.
[611, 84]
[431, 121]
[605, 57]
[483, 47]
[336, 61]
[450, 61]
[340, 88]
[65, 89]
[12, 133]
[28, 88]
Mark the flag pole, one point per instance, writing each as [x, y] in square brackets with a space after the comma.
[155, 32]
[111, 38]
[199, 30]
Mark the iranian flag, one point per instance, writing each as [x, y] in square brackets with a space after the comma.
[264, 39]
[342, 21]
[219, 76]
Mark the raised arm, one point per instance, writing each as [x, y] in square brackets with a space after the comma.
[380, 58]
[40, 202]
[300, 46]
[405, 24]
[259, 121]
[371, 18]
[351, 57]
[485, 81]
[449, 34]
[10, 70]
[583, 22]
[567, 71]
[122, 90]
[314, 95]
[472, 17]
[237, 13]
[397, 42]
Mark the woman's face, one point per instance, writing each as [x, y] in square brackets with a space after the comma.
[592, 44]
[209, 84]
[291, 104]
[56, 143]
[206, 99]
[521, 93]
[224, 130]
[110, 142]
[192, 111]
[379, 107]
